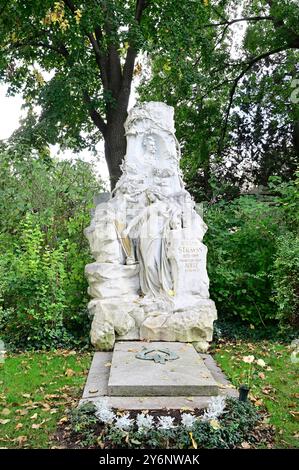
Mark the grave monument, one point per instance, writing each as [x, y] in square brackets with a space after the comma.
[149, 279]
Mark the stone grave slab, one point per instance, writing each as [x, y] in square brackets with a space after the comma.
[185, 376]
[96, 388]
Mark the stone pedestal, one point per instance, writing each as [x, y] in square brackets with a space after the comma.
[193, 324]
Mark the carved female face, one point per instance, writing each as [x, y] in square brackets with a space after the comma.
[149, 144]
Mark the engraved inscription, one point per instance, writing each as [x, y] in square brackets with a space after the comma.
[189, 254]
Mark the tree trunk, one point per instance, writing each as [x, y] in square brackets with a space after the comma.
[116, 80]
[115, 146]
[296, 136]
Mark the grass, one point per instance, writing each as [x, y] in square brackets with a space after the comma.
[274, 386]
[37, 388]
[35, 391]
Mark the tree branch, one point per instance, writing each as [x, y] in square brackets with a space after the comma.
[70, 5]
[94, 40]
[236, 81]
[114, 72]
[128, 69]
[100, 59]
[94, 114]
[60, 49]
[140, 7]
[238, 20]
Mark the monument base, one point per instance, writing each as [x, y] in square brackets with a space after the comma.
[188, 322]
[136, 384]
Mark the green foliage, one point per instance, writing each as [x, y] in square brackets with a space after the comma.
[232, 91]
[237, 424]
[242, 242]
[236, 329]
[33, 276]
[83, 420]
[286, 266]
[286, 280]
[82, 414]
[288, 198]
[253, 256]
[43, 291]
[83, 45]
[235, 116]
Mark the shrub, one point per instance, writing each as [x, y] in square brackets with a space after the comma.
[286, 280]
[43, 251]
[34, 290]
[242, 242]
[253, 256]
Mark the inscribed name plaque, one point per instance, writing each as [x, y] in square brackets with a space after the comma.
[188, 259]
[189, 253]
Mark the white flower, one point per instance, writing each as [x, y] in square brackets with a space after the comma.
[105, 415]
[214, 423]
[102, 403]
[144, 422]
[188, 420]
[215, 409]
[124, 422]
[248, 359]
[294, 357]
[261, 363]
[165, 422]
[104, 412]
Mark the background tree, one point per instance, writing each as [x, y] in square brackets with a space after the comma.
[88, 50]
[80, 45]
[235, 115]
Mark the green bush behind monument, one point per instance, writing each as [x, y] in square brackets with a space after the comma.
[253, 258]
[45, 205]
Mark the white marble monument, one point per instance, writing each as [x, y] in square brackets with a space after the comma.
[149, 278]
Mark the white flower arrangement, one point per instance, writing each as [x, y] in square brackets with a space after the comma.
[144, 422]
[215, 408]
[188, 420]
[165, 422]
[124, 422]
